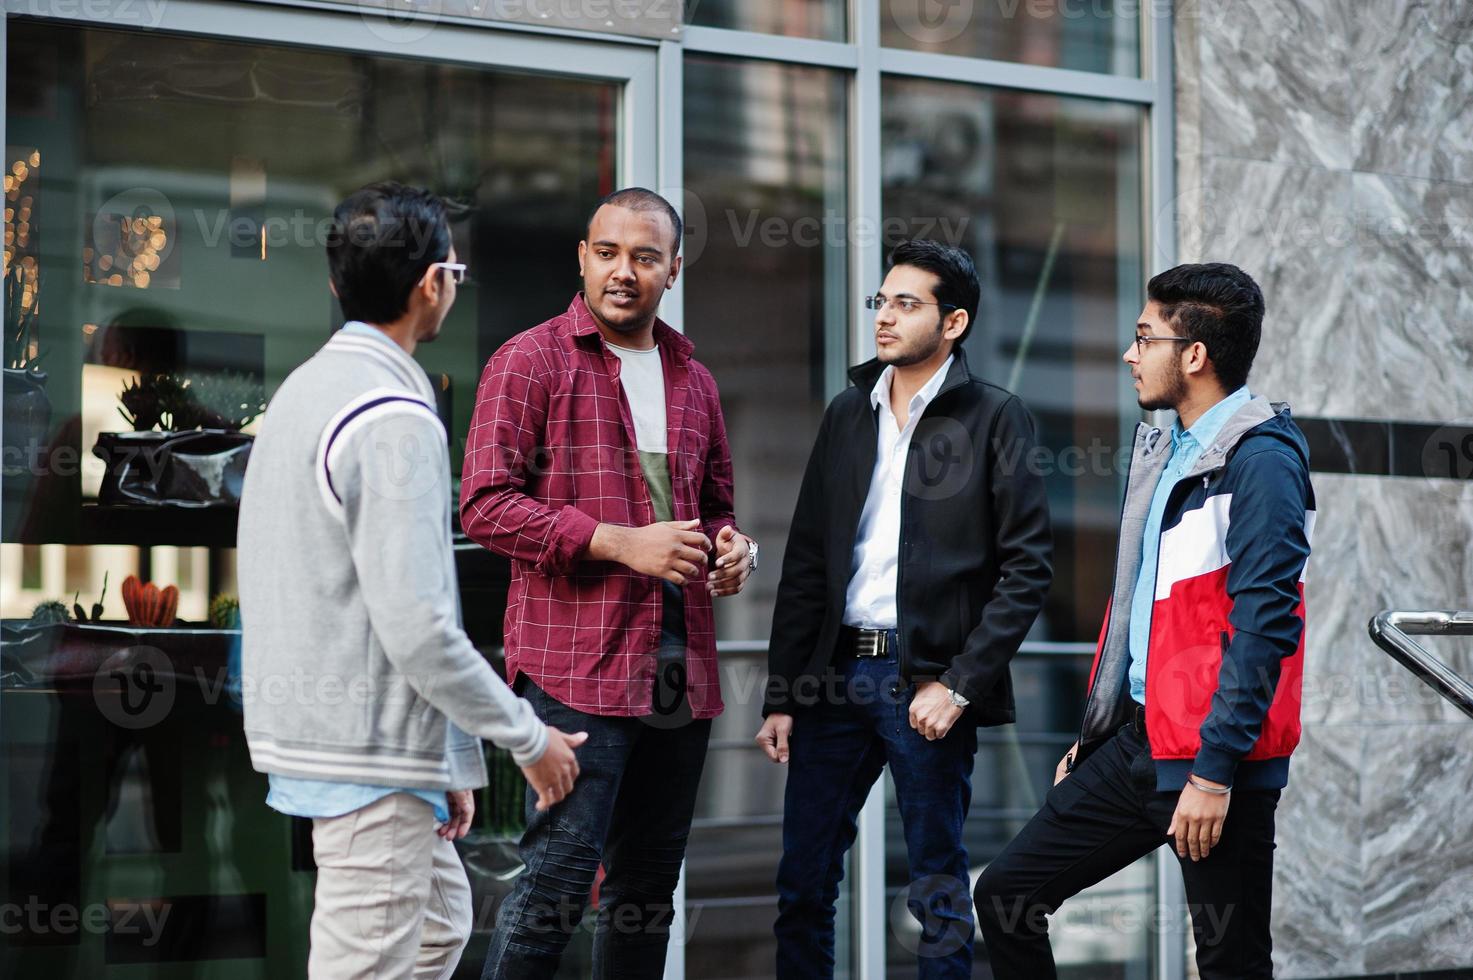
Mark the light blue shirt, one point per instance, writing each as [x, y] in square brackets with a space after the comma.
[323, 798]
[1186, 449]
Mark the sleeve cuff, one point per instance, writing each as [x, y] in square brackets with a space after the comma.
[532, 753]
[1216, 764]
[572, 533]
[713, 528]
[957, 683]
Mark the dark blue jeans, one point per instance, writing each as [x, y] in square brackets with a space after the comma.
[837, 751]
[630, 810]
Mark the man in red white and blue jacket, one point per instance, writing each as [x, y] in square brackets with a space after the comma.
[1193, 706]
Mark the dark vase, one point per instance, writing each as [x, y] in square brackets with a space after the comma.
[198, 468]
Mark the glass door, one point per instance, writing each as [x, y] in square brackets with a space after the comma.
[167, 197]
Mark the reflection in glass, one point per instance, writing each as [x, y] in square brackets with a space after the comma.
[822, 19]
[204, 172]
[1045, 193]
[1086, 36]
[766, 295]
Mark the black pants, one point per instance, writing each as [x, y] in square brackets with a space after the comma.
[1101, 818]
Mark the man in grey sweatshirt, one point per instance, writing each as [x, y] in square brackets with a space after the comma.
[365, 701]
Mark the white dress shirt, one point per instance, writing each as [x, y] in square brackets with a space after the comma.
[869, 602]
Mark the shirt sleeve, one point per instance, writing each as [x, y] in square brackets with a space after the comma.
[502, 447]
[716, 479]
[393, 475]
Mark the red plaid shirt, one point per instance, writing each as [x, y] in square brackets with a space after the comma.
[551, 454]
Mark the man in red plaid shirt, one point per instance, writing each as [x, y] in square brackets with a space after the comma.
[597, 462]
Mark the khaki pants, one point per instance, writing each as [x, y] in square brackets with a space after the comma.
[392, 897]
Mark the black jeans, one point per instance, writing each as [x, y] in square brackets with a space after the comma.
[1102, 817]
[630, 810]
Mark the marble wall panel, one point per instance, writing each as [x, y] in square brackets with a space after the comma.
[1417, 848]
[1412, 77]
[1383, 543]
[1317, 866]
[1413, 295]
[1273, 84]
[1289, 227]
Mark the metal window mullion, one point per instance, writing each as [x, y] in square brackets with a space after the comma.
[867, 859]
[770, 47]
[1012, 75]
[341, 28]
[1158, 224]
[670, 179]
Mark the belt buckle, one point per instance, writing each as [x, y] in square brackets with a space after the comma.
[870, 643]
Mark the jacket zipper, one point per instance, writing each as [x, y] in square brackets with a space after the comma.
[1110, 616]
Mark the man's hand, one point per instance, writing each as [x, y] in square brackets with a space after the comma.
[931, 711]
[462, 807]
[552, 776]
[1062, 769]
[773, 737]
[672, 550]
[732, 567]
[1197, 822]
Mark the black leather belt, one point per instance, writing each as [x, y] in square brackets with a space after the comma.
[1138, 718]
[865, 643]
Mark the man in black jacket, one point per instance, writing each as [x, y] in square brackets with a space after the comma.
[918, 559]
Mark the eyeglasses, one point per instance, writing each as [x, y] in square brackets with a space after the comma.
[1142, 340]
[904, 304]
[456, 269]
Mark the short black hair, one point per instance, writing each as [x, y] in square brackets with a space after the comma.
[642, 199]
[959, 286]
[1219, 305]
[382, 239]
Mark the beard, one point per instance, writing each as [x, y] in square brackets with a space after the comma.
[914, 353]
[1173, 392]
[626, 319]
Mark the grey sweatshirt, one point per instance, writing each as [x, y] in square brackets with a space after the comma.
[354, 664]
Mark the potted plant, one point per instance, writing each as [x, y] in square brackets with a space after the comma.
[186, 448]
[27, 409]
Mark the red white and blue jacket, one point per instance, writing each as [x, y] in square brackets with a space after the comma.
[1225, 661]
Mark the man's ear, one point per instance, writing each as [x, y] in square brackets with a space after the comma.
[955, 324]
[674, 271]
[332, 288]
[1197, 360]
[582, 255]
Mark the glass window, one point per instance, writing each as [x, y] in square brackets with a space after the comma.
[766, 296]
[1045, 193]
[166, 201]
[822, 19]
[1086, 35]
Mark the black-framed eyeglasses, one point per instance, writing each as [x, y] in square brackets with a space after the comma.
[1142, 340]
[905, 304]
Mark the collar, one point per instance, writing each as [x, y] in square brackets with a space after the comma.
[880, 393]
[1210, 423]
[580, 324]
[357, 328]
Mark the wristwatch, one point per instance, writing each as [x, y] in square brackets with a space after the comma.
[751, 555]
[957, 699]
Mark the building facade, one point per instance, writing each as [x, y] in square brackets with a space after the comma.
[170, 167]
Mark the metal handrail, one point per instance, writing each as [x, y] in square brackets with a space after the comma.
[1393, 629]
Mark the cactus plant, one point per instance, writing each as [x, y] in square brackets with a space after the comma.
[225, 612]
[49, 612]
[148, 605]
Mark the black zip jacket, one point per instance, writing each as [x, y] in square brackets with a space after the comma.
[974, 544]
